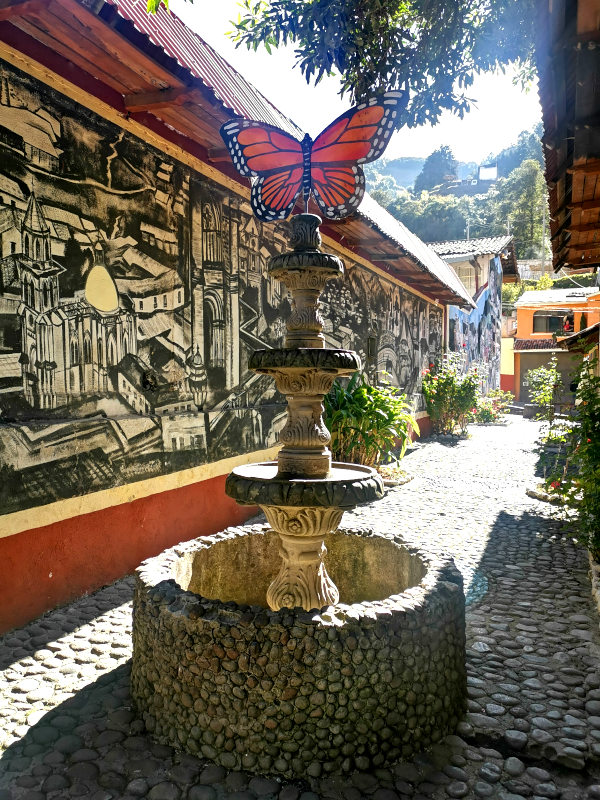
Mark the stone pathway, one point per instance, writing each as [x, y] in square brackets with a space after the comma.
[533, 646]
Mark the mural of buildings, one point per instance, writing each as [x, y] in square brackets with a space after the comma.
[132, 292]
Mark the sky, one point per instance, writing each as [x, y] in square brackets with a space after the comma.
[502, 110]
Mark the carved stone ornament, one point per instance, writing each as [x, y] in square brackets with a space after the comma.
[349, 485]
[306, 240]
[324, 359]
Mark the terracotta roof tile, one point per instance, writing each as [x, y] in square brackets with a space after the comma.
[535, 344]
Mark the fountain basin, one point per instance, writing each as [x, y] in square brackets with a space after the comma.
[373, 679]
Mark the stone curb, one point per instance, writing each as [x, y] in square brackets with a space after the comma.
[595, 579]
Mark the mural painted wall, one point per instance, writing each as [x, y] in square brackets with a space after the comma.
[132, 291]
[477, 335]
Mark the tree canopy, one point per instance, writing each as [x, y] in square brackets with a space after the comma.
[429, 48]
[439, 167]
[515, 203]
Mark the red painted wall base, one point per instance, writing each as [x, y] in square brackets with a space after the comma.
[46, 567]
[507, 383]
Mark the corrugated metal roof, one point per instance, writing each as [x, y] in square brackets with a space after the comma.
[413, 246]
[546, 297]
[472, 247]
[165, 30]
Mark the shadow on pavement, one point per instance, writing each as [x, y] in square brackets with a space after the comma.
[25, 641]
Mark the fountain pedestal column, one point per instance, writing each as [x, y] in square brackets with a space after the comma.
[302, 579]
[304, 371]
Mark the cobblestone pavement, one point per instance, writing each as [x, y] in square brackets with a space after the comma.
[533, 646]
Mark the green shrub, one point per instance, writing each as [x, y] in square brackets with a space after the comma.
[583, 491]
[367, 423]
[575, 472]
[544, 386]
[450, 394]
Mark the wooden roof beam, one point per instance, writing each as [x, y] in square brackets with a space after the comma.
[9, 9]
[589, 168]
[591, 228]
[366, 242]
[218, 154]
[585, 205]
[147, 101]
[584, 247]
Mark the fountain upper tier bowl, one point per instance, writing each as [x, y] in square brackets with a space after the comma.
[346, 486]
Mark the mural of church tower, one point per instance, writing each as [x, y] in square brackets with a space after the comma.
[215, 285]
[69, 344]
[39, 295]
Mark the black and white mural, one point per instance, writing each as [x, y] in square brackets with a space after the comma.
[132, 291]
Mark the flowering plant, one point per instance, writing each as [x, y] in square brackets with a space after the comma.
[450, 394]
[491, 407]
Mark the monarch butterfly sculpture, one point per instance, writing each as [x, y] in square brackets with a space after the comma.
[281, 167]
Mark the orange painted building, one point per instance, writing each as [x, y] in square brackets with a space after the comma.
[543, 319]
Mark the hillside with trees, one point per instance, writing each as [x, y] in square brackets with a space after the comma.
[515, 204]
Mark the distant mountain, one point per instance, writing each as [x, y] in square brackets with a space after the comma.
[403, 170]
[528, 145]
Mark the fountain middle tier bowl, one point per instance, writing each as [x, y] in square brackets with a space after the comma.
[347, 486]
[374, 679]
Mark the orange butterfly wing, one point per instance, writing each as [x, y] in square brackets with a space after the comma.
[356, 137]
[273, 159]
[280, 166]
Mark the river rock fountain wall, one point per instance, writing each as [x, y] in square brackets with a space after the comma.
[346, 654]
[376, 678]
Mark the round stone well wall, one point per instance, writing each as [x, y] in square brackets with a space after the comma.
[373, 679]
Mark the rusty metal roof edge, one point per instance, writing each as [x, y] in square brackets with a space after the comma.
[402, 236]
[278, 118]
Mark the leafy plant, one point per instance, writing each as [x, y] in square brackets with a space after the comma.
[582, 489]
[544, 386]
[484, 412]
[367, 422]
[574, 472]
[491, 407]
[450, 394]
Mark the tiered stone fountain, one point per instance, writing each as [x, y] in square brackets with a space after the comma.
[347, 654]
[303, 495]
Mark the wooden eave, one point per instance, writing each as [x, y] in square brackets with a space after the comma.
[568, 59]
[90, 45]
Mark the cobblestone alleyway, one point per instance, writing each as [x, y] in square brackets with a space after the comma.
[533, 659]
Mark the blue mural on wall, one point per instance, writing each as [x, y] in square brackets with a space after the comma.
[476, 335]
